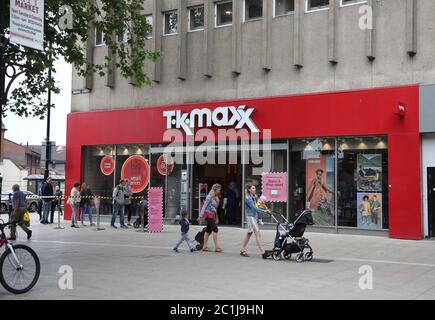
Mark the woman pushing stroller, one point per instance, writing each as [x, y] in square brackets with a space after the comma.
[251, 211]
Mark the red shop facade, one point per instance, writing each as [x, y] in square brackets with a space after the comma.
[361, 148]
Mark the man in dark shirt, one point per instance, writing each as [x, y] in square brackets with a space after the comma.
[47, 193]
[19, 208]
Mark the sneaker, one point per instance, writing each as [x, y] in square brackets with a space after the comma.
[84, 225]
[76, 226]
[93, 224]
[129, 224]
[124, 226]
[260, 222]
[176, 250]
[29, 234]
[114, 227]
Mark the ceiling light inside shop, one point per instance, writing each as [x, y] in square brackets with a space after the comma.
[327, 147]
[362, 145]
[344, 146]
[228, 12]
[381, 145]
[126, 152]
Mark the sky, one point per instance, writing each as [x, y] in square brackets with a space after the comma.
[32, 130]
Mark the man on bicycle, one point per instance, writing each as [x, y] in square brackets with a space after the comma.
[19, 209]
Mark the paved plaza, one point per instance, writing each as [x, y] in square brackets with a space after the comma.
[125, 264]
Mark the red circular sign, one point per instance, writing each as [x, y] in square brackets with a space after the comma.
[107, 165]
[161, 164]
[136, 170]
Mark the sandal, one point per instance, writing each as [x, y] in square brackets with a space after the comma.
[206, 249]
[244, 254]
[219, 250]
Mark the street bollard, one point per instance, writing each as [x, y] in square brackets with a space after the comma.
[59, 227]
[97, 208]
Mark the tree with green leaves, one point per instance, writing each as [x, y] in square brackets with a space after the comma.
[67, 37]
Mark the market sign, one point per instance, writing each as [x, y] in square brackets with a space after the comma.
[27, 23]
[164, 161]
[107, 165]
[137, 171]
[233, 116]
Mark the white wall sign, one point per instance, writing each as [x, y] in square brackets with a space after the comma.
[27, 23]
[220, 117]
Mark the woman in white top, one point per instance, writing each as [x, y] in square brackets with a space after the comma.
[74, 202]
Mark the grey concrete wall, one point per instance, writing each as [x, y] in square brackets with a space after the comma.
[402, 47]
[427, 109]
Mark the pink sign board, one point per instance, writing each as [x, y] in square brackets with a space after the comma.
[155, 209]
[275, 186]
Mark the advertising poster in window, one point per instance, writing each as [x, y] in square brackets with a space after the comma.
[136, 170]
[320, 189]
[369, 172]
[369, 213]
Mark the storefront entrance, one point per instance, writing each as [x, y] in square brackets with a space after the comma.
[229, 176]
[431, 200]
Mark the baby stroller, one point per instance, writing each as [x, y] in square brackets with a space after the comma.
[289, 239]
[142, 206]
[199, 238]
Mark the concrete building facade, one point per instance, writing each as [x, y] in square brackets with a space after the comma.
[342, 78]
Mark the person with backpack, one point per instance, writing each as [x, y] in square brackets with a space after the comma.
[118, 205]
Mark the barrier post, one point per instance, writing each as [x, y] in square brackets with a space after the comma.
[59, 201]
[97, 208]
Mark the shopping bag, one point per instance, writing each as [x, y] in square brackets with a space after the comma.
[27, 218]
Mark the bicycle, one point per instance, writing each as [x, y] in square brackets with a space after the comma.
[19, 265]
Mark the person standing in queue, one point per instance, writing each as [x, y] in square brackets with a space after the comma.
[118, 205]
[128, 206]
[47, 193]
[209, 213]
[251, 211]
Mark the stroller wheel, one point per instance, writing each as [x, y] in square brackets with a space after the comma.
[309, 256]
[136, 225]
[198, 247]
[300, 258]
[276, 255]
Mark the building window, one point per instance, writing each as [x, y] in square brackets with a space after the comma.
[345, 3]
[99, 37]
[224, 13]
[149, 22]
[314, 5]
[283, 7]
[253, 9]
[123, 37]
[363, 183]
[196, 18]
[170, 22]
[312, 178]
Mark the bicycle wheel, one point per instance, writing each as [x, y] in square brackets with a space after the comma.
[20, 278]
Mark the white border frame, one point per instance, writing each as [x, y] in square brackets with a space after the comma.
[215, 14]
[189, 15]
[164, 23]
[274, 15]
